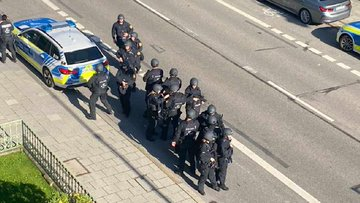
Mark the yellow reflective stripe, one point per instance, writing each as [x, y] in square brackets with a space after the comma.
[61, 80]
[32, 46]
[357, 48]
[29, 59]
[351, 29]
[16, 31]
[85, 77]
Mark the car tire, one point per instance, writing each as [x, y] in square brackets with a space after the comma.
[346, 43]
[305, 16]
[47, 78]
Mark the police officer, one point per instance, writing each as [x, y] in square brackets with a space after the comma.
[137, 45]
[172, 80]
[207, 162]
[195, 98]
[6, 38]
[125, 80]
[184, 140]
[120, 31]
[224, 151]
[173, 103]
[98, 85]
[127, 57]
[210, 126]
[211, 110]
[154, 107]
[153, 76]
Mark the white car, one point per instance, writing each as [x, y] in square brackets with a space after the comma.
[58, 50]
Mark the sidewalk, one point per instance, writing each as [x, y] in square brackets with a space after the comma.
[105, 161]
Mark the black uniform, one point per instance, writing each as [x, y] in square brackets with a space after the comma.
[117, 32]
[207, 167]
[172, 109]
[185, 135]
[137, 45]
[203, 120]
[195, 99]
[224, 151]
[98, 85]
[130, 60]
[154, 107]
[125, 81]
[171, 81]
[6, 40]
[152, 77]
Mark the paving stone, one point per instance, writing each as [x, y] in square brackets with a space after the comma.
[122, 177]
[139, 199]
[124, 185]
[166, 182]
[111, 188]
[125, 194]
[109, 171]
[138, 190]
[110, 180]
[98, 192]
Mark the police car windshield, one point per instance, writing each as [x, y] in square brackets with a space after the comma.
[83, 55]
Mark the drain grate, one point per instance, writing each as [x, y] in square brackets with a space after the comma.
[76, 167]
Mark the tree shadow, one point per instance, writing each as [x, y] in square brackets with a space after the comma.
[21, 192]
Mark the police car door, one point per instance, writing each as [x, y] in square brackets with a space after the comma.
[27, 48]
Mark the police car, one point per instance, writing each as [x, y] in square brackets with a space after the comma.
[348, 37]
[58, 50]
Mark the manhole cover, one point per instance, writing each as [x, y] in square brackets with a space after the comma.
[75, 166]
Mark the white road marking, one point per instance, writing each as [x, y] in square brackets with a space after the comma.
[244, 14]
[288, 37]
[343, 66]
[250, 69]
[88, 32]
[301, 44]
[153, 10]
[79, 26]
[355, 72]
[273, 171]
[51, 5]
[62, 13]
[315, 51]
[329, 58]
[72, 19]
[276, 31]
[298, 100]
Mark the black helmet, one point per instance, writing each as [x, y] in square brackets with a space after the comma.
[174, 88]
[121, 16]
[173, 72]
[4, 17]
[191, 114]
[134, 34]
[99, 68]
[209, 135]
[194, 82]
[211, 109]
[154, 62]
[128, 43]
[227, 132]
[157, 88]
[212, 120]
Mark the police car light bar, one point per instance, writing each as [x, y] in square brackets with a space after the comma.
[56, 25]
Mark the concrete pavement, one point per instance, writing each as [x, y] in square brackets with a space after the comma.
[104, 160]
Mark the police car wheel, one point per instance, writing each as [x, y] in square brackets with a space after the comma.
[346, 43]
[47, 77]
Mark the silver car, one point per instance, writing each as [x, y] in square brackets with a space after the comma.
[316, 11]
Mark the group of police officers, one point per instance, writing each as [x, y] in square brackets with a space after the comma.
[201, 137]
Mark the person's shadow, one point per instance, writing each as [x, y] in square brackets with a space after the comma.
[21, 192]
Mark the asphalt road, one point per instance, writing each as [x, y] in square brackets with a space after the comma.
[212, 42]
